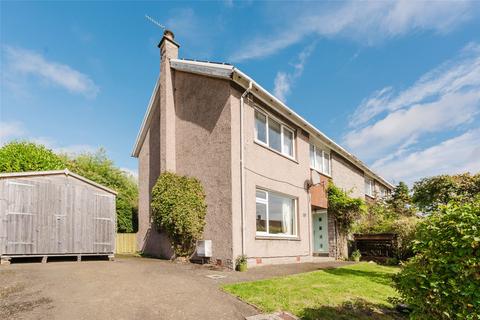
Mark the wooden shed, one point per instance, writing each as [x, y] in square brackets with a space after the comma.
[55, 213]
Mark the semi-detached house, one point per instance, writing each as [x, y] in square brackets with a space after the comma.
[264, 168]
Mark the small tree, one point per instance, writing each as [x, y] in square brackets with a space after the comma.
[443, 280]
[178, 208]
[400, 200]
[99, 168]
[27, 156]
[431, 193]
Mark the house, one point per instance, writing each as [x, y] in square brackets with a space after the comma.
[264, 168]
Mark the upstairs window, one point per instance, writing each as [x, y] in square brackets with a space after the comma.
[369, 187]
[383, 192]
[320, 160]
[274, 134]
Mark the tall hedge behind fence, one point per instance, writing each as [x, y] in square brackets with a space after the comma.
[126, 243]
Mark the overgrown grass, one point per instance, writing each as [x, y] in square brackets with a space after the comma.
[357, 291]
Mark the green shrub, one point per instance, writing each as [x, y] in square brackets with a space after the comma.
[344, 208]
[356, 255]
[391, 215]
[443, 280]
[178, 208]
[391, 261]
[27, 156]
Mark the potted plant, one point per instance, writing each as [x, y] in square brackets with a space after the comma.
[241, 263]
[356, 255]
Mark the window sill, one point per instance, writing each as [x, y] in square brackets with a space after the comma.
[369, 196]
[320, 172]
[263, 145]
[273, 237]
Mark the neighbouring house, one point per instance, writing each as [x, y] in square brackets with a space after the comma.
[264, 168]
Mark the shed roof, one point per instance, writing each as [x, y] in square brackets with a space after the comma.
[230, 72]
[55, 172]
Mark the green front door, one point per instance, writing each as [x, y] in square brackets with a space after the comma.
[320, 232]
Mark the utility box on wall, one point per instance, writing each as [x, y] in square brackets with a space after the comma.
[55, 213]
[204, 248]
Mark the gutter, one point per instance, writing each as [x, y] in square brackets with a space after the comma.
[242, 164]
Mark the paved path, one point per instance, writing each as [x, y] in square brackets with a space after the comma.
[128, 288]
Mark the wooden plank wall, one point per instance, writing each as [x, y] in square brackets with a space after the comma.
[55, 214]
[126, 243]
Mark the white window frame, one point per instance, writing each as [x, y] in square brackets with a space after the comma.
[265, 202]
[371, 187]
[321, 168]
[282, 128]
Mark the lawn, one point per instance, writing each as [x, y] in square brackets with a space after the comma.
[357, 291]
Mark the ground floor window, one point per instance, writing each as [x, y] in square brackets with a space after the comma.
[275, 213]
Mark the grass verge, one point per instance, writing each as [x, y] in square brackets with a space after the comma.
[359, 291]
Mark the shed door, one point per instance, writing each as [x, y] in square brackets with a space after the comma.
[21, 217]
[104, 223]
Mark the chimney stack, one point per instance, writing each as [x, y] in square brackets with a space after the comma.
[168, 46]
[168, 50]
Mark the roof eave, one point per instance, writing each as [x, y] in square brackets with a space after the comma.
[55, 172]
[146, 122]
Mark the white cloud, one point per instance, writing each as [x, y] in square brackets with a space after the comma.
[403, 125]
[363, 21]
[461, 73]
[10, 130]
[132, 172]
[25, 62]
[282, 86]
[284, 81]
[440, 100]
[456, 155]
[74, 149]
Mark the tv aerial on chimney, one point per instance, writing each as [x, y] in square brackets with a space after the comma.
[155, 22]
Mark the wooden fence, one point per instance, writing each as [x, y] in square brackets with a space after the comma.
[125, 243]
[377, 246]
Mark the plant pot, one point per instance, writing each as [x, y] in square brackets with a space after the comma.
[242, 267]
[356, 259]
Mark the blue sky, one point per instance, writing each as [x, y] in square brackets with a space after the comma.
[397, 83]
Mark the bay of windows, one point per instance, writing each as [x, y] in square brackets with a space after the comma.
[320, 160]
[273, 134]
[275, 214]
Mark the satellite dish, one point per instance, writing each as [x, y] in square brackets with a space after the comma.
[315, 177]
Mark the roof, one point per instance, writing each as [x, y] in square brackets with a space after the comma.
[55, 172]
[230, 72]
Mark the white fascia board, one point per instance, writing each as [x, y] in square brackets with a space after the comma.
[147, 118]
[204, 68]
[273, 101]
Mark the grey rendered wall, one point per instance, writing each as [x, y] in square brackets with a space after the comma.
[203, 148]
[347, 176]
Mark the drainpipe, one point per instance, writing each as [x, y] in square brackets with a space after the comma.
[242, 165]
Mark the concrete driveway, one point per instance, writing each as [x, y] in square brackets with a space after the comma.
[128, 288]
